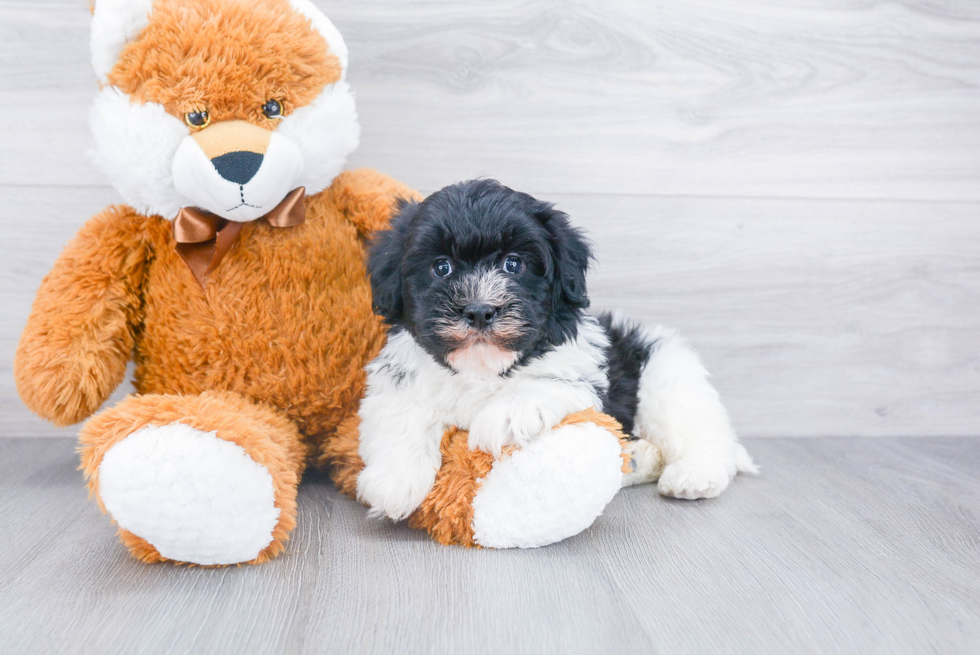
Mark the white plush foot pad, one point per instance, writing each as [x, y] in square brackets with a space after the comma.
[194, 497]
[551, 489]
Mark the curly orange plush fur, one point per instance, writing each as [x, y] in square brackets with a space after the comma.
[270, 353]
[284, 330]
[286, 320]
[173, 64]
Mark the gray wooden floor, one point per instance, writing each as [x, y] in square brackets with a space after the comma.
[842, 546]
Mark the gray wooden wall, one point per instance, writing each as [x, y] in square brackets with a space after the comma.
[794, 185]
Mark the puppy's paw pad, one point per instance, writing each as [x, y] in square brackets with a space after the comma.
[393, 492]
[525, 422]
[694, 478]
[501, 424]
[489, 432]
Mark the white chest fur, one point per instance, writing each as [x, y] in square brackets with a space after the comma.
[412, 399]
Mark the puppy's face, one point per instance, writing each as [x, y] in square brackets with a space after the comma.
[482, 276]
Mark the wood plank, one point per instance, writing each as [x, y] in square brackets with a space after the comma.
[830, 318]
[820, 99]
[842, 545]
[817, 318]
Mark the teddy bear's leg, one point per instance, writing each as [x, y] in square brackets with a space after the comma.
[680, 412]
[209, 479]
[550, 489]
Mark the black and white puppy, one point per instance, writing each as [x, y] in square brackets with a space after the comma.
[485, 289]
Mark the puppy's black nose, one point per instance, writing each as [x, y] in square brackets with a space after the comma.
[479, 316]
[239, 166]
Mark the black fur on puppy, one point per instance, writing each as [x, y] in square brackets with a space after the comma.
[480, 263]
[477, 261]
[485, 288]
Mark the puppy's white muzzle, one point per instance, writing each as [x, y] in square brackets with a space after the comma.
[236, 170]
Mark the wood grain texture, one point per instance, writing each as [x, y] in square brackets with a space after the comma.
[858, 546]
[816, 318]
[846, 99]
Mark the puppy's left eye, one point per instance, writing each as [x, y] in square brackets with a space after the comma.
[272, 109]
[442, 268]
[513, 264]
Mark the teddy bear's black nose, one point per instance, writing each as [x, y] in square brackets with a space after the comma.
[479, 316]
[239, 166]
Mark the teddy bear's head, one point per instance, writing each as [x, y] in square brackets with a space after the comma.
[222, 105]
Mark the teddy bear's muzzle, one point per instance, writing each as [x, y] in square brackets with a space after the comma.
[236, 170]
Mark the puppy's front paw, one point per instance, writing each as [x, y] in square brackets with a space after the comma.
[511, 422]
[394, 493]
[695, 477]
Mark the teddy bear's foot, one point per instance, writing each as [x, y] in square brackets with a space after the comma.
[182, 492]
[192, 496]
[551, 489]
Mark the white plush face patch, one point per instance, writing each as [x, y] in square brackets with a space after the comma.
[135, 146]
[240, 186]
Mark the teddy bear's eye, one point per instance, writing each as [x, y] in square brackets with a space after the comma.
[197, 119]
[272, 109]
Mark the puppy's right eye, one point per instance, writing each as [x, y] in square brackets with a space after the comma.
[442, 268]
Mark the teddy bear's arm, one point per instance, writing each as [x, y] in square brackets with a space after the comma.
[79, 335]
[367, 198]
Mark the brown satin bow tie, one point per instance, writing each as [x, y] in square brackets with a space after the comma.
[203, 238]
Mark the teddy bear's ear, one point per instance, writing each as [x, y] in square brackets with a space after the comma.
[114, 24]
[117, 22]
[323, 25]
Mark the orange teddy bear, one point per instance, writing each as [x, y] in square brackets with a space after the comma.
[235, 276]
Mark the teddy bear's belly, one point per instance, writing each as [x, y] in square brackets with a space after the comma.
[283, 321]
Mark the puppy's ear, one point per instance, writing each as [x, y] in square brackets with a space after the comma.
[385, 263]
[570, 254]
